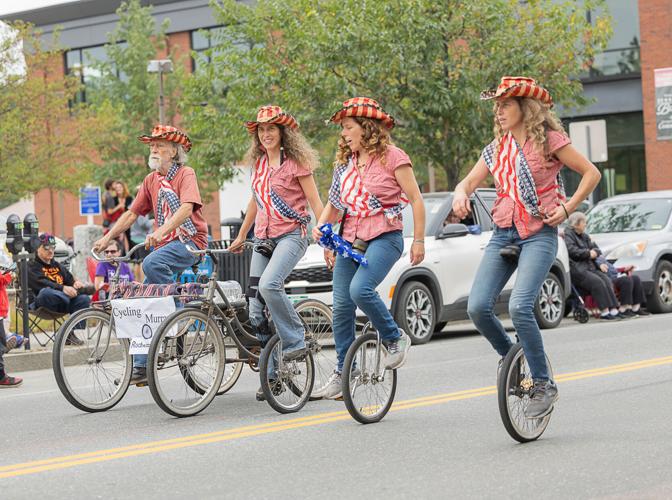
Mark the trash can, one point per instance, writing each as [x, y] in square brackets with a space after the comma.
[233, 224]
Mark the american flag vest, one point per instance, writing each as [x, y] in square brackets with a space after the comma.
[347, 191]
[268, 200]
[514, 178]
[167, 203]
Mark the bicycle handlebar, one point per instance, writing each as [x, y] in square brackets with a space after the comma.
[211, 251]
[125, 258]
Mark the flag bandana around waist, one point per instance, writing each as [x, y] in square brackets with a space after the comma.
[347, 191]
[514, 177]
[268, 200]
[167, 203]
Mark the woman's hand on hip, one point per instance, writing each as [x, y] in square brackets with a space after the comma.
[556, 217]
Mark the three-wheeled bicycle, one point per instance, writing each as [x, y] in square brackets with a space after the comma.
[95, 375]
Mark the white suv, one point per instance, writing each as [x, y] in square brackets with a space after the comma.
[425, 297]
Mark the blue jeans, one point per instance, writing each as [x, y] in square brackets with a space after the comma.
[537, 254]
[267, 277]
[58, 301]
[159, 268]
[355, 286]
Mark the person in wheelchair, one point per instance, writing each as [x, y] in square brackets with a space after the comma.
[171, 191]
[52, 286]
[283, 186]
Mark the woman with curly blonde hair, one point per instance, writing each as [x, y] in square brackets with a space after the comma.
[373, 181]
[282, 188]
[525, 158]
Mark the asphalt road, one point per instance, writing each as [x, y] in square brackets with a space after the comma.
[609, 437]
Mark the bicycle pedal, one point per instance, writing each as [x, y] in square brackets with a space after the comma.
[142, 384]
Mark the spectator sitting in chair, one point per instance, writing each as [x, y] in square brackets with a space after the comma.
[52, 285]
[629, 286]
[585, 271]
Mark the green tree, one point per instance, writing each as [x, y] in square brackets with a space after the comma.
[425, 61]
[44, 142]
[126, 93]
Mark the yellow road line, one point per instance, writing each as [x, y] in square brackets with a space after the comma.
[284, 425]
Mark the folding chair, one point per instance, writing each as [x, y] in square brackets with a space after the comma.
[36, 316]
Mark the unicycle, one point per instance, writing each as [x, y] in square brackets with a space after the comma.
[514, 385]
[368, 387]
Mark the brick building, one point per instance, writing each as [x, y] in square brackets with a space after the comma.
[621, 80]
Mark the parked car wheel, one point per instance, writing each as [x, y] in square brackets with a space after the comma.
[415, 312]
[660, 300]
[550, 306]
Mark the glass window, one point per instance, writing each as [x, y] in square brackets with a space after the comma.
[208, 38]
[633, 215]
[82, 62]
[621, 56]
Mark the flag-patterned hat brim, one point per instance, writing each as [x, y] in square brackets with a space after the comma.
[518, 87]
[363, 107]
[168, 133]
[272, 115]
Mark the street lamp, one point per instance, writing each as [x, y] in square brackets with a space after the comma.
[160, 66]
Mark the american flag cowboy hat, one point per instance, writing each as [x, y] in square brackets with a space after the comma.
[363, 107]
[168, 133]
[272, 114]
[518, 86]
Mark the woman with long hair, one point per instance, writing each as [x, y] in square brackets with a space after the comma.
[525, 157]
[283, 186]
[373, 180]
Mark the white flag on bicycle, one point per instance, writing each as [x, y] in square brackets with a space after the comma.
[137, 319]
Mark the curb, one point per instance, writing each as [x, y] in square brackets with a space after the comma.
[27, 361]
[41, 360]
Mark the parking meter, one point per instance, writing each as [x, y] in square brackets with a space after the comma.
[14, 234]
[31, 233]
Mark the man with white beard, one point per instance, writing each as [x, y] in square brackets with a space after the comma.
[171, 192]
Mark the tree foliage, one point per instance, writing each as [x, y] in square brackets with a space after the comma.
[424, 61]
[44, 142]
[126, 93]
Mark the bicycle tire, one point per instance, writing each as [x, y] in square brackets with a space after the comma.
[318, 320]
[161, 350]
[74, 393]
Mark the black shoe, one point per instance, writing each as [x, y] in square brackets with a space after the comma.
[260, 395]
[621, 315]
[139, 375]
[294, 355]
[609, 317]
[73, 340]
[642, 312]
[543, 396]
[629, 314]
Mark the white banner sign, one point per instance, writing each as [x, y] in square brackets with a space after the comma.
[138, 319]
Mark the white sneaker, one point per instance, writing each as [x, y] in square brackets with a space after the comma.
[334, 387]
[397, 351]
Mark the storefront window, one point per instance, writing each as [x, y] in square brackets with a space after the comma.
[625, 170]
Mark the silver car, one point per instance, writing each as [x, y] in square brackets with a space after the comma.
[636, 229]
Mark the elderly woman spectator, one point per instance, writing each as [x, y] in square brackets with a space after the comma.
[584, 269]
[628, 286]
